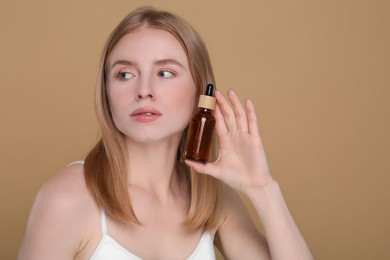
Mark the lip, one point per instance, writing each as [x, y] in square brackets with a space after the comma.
[145, 114]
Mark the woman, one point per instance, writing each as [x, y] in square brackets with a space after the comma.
[135, 197]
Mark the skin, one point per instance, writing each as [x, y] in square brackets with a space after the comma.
[146, 75]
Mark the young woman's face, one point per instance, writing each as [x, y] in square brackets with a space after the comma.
[150, 87]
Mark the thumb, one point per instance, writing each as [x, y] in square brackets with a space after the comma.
[205, 168]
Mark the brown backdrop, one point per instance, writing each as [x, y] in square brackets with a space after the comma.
[318, 72]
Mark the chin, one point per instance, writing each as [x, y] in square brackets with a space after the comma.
[156, 138]
[156, 134]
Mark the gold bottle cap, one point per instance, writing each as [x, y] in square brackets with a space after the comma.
[207, 102]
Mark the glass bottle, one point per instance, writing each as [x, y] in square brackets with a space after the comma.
[201, 128]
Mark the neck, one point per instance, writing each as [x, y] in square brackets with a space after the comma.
[152, 166]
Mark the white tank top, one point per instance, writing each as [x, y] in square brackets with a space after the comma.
[109, 249]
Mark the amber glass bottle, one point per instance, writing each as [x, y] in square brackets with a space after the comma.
[201, 128]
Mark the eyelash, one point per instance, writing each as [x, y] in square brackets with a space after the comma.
[161, 72]
[121, 75]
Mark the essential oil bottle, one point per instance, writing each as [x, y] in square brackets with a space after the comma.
[201, 128]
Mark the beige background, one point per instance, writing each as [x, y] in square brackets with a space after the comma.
[318, 71]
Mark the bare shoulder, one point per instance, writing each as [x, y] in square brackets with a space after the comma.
[61, 211]
[66, 186]
[66, 190]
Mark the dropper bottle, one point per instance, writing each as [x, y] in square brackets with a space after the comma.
[201, 128]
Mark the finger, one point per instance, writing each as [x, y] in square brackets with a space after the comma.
[252, 118]
[242, 120]
[227, 112]
[220, 124]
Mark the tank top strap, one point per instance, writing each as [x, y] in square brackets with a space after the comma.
[103, 219]
[75, 162]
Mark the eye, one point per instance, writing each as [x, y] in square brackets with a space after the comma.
[166, 74]
[123, 75]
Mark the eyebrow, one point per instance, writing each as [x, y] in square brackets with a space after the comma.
[123, 62]
[169, 61]
[157, 62]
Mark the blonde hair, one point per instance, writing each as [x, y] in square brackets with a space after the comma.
[105, 165]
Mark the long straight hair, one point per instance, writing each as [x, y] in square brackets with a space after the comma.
[105, 166]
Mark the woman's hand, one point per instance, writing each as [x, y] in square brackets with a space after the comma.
[242, 162]
[242, 165]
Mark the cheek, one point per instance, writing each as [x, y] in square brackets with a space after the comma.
[185, 101]
[117, 103]
[117, 97]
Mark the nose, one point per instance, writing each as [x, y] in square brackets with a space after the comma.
[145, 90]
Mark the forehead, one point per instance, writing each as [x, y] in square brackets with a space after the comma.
[148, 44]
